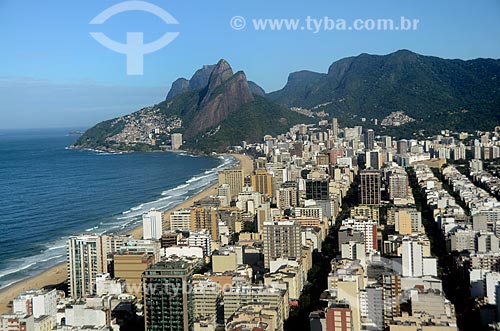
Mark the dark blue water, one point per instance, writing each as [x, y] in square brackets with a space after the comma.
[48, 192]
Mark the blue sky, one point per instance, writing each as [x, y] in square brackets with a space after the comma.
[54, 74]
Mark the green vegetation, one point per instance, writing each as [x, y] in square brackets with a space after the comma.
[492, 166]
[437, 93]
[447, 187]
[248, 227]
[318, 275]
[455, 282]
[96, 136]
[250, 123]
[184, 106]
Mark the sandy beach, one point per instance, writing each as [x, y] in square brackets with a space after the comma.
[58, 274]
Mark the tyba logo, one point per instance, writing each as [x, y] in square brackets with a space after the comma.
[134, 48]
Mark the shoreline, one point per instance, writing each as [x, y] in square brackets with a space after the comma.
[58, 273]
[129, 151]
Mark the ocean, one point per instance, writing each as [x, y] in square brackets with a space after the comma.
[49, 192]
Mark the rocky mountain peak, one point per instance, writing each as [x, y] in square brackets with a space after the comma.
[226, 93]
[198, 81]
[220, 74]
[201, 77]
[180, 86]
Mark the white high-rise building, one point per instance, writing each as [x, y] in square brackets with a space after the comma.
[176, 141]
[412, 259]
[37, 303]
[492, 281]
[200, 238]
[354, 251]
[372, 307]
[369, 230]
[152, 225]
[105, 285]
[114, 243]
[414, 262]
[86, 258]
